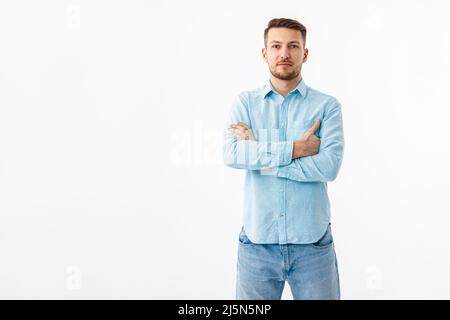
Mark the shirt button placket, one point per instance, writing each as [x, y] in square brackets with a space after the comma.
[282, 213]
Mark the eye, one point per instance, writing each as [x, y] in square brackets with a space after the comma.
[295, 46]
[276, 46]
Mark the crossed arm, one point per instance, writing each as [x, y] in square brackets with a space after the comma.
[308, 159]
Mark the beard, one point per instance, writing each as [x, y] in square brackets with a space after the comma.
[285, 75]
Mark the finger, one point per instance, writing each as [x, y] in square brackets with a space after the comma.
[239, 124]
[238, 130]
[242, 131]
[249, 133]
[239, 133]
[235, 129]
[313, 129]
[243, 124]
[241, 127]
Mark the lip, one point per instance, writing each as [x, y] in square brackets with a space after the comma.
[284, 64]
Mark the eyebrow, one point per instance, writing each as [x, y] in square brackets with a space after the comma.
[275, 41]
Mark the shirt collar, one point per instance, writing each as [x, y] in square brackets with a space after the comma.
[301, 88]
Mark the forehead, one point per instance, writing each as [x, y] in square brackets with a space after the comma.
[284, 35]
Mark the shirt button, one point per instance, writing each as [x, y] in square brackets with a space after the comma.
[281, 214]
[281, 190]
[282, 124]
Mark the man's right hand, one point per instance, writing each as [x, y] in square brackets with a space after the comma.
[308, 145]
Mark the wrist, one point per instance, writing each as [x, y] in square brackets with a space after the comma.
[297, 149]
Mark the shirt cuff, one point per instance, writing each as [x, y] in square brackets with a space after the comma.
[285, 153]
[281, 172]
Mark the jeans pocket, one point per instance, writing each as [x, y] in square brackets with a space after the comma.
[243, 237]
[326, 241]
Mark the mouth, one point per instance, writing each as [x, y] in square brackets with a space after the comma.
[284, 64]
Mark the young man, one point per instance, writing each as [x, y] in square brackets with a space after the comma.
[289, 139]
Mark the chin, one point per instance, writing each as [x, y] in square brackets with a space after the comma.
[286, 76]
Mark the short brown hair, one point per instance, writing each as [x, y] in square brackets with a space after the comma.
[285, 23]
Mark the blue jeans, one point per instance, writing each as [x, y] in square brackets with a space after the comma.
[310, 269]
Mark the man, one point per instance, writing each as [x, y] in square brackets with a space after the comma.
[289, 139]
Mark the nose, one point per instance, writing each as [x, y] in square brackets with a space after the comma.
[284, 54]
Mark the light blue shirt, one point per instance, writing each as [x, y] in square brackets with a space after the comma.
[285, 200]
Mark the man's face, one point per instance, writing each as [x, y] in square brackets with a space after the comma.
[284, 53]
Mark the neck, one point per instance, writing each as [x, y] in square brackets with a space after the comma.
[283, 87]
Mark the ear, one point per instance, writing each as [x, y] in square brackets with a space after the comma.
[305, 55]
[264, 54]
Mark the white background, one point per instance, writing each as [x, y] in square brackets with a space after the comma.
[111, 114]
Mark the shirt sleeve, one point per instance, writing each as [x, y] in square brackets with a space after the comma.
[325, 165]
[248, 154]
